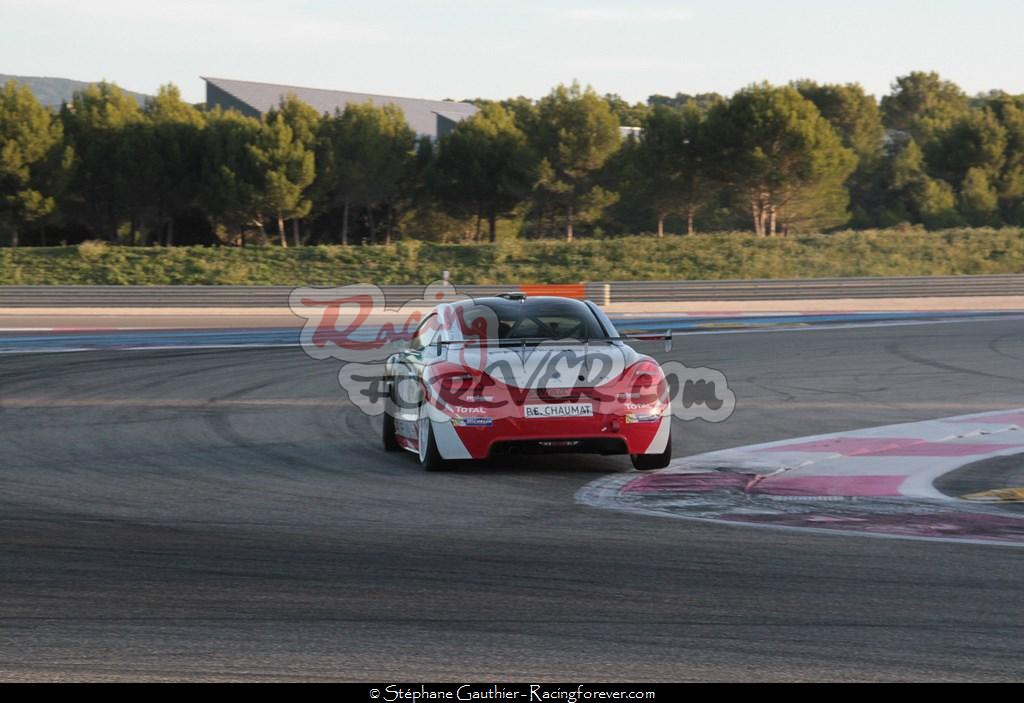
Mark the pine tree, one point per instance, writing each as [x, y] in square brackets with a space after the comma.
[176, 131]
[484, 167]
[304, 122]
[232, 184]
[575, 134]
[105, 127]
[288, 168]
[34, 161]
[781, 158]
[365, 154]
[667, 165]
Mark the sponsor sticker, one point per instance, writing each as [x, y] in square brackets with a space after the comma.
[633, 418]
[472, 421]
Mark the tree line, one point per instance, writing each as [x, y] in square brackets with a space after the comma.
[773, 159]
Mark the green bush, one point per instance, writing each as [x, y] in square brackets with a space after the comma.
[909, 252]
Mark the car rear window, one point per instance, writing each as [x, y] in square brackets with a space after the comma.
[541, 318]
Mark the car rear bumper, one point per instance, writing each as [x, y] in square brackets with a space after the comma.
[600, 434]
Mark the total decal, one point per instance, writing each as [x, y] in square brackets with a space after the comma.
[469, 375]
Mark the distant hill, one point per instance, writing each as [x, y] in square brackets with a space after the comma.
[54, 91]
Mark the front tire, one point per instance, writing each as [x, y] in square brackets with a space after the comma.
[650, 462]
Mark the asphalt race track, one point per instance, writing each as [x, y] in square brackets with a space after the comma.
[223, 514]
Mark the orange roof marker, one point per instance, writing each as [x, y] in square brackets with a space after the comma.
[565, 290]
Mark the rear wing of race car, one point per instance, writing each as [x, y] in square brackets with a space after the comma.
[665, 337]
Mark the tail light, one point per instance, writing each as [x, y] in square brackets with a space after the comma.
[646, 384]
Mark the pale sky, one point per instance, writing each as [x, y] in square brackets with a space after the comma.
[475, 48]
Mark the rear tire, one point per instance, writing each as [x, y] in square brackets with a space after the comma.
[429, 456]
[388, 432]
[650, 462]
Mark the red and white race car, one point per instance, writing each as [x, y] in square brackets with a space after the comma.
[516, 374]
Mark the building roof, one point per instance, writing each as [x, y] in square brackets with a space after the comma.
[422, 115]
